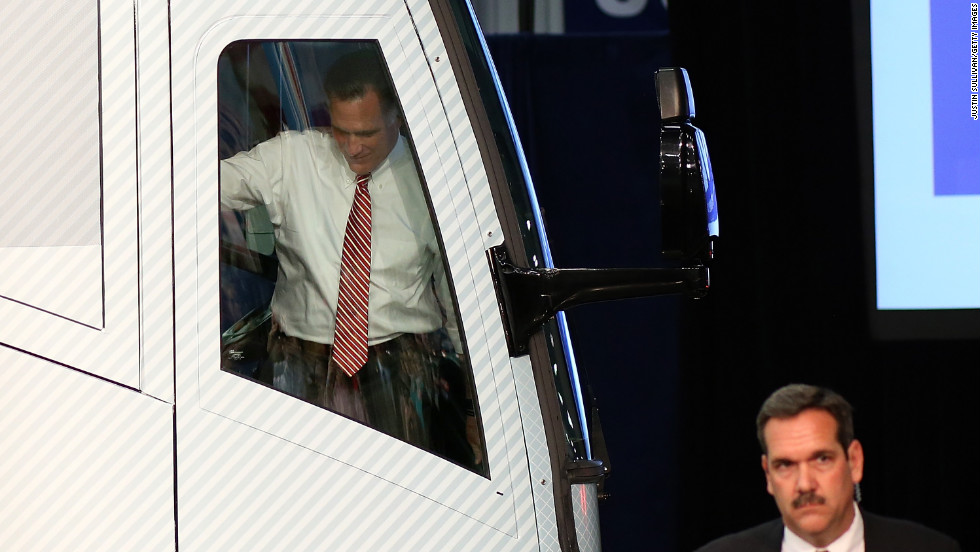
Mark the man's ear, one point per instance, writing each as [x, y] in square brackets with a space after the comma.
[765, 468]
[855, 459]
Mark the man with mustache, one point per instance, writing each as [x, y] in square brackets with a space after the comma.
[813, 465]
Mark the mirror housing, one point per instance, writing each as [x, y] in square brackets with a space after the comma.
[689, 208]
[528, 297]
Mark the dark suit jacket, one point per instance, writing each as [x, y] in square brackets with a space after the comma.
[881, 534]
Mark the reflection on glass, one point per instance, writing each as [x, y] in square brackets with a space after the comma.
[533, 239]
[324, 212]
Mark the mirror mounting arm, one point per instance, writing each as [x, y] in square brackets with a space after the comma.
[530, 296]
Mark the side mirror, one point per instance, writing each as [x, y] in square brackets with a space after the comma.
[530, 296]
[689, 209]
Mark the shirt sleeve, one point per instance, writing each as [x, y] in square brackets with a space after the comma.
[254, 177]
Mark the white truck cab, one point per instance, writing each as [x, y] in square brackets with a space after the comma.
[137, 410]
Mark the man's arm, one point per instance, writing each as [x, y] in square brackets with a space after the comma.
[254, 177]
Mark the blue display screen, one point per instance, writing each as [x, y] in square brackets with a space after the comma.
[926, 147]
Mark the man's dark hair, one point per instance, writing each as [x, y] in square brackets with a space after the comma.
[790, 400]
[351, 76]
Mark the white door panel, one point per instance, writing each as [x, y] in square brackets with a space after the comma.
[155, 200]
[68, 247]
[85, 464]
[242, 489]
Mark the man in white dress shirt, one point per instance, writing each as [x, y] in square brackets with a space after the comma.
[306, 180]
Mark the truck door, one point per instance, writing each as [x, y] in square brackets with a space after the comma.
[262, 467]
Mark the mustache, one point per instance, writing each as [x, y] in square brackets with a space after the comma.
[808, 498]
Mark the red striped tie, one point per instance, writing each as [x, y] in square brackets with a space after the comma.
[350, 340]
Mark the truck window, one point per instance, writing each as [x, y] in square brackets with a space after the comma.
[334, 282]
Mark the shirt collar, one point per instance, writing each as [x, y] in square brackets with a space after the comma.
[851, 541]
[377, 179]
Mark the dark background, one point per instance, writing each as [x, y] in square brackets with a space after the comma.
[679, 382]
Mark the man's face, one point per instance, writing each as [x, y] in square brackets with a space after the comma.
[809, 475]
[364, 132]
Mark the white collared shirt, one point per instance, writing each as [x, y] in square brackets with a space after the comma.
[851, 541]
[305, 183]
